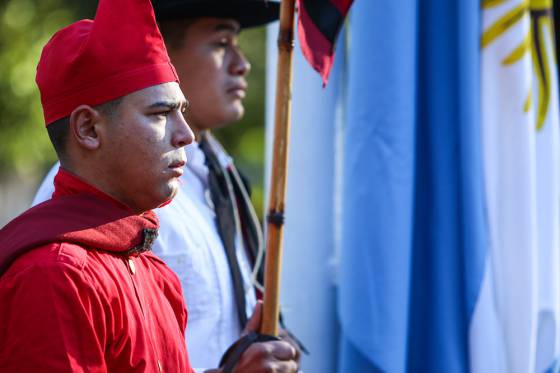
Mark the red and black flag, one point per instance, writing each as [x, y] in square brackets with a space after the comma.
[319, 23]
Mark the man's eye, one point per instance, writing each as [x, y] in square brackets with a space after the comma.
[162, 114]
[223, 43]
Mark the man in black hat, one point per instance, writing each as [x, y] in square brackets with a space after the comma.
[209, 234]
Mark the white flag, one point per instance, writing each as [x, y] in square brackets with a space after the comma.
[517, 317]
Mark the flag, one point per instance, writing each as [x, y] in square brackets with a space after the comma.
[522, 176]
[319, 24]
[414, 240]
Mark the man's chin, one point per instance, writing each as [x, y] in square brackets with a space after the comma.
[170, 192]
[220, 119]
[234, 112]
[235, 116]
[167, 200]
[173, 188]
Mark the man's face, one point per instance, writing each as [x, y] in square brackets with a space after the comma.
[143, 148]
[212, 70]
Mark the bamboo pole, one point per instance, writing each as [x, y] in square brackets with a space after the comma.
[273, 265]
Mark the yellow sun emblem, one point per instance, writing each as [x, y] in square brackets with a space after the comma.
[540, 15]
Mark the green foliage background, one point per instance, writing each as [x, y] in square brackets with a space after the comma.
[25, 27]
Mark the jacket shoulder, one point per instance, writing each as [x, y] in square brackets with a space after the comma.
[50, 257]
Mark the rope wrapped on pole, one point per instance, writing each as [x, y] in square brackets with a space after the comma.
[273, 265]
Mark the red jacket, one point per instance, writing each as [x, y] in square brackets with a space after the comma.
[81, 292]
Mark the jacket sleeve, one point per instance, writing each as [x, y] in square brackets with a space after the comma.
[51, 320]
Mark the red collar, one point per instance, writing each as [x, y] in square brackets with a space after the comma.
[79, 214]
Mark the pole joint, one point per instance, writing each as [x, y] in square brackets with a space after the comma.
[276, 218]
[286, 40]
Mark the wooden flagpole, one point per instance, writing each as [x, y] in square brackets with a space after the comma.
[275, 218]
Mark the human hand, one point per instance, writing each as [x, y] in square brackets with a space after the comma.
[273, 356]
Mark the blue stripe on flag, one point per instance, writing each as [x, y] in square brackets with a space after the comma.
[414, 238]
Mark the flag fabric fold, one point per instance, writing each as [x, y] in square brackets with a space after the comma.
[414, 231]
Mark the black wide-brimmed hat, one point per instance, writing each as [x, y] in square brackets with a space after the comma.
[248, 13]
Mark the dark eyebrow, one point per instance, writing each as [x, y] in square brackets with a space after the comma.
[226, 26]
[171, 105]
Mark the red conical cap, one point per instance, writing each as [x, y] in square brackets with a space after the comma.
[92, 62]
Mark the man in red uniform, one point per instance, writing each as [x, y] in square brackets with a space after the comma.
[80, 289]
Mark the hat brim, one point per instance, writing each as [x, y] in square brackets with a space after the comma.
[247, 13]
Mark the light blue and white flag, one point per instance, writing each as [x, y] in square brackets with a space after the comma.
[450, 197]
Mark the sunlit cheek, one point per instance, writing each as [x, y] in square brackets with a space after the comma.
[155, 135]
[218, 60]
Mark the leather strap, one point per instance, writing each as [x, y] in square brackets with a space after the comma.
[221, 192]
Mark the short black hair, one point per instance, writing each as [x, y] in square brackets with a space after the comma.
[58, 133]
[173, 32]
[59, 129]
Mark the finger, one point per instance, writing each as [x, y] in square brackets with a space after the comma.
[282, 350]
[254, 323]
[289, 366]
[284, 335]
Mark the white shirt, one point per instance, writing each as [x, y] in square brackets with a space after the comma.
[189, 243]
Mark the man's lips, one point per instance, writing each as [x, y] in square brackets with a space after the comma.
[238, 90]
[177, 167]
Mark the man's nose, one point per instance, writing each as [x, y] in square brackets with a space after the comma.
[240, 65]
[183, 134]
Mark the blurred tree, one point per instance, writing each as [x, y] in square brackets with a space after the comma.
[26, 26]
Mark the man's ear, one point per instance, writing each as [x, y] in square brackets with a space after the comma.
[84, 127]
